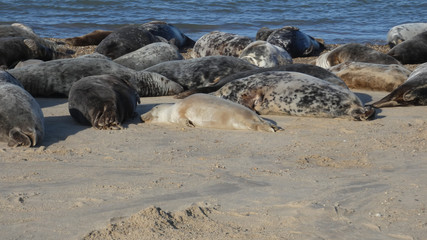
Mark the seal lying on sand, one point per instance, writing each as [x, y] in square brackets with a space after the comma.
[353, 52]
[412, 51]
[295, 42]
[220, 43]
[202, 110]
[308, 69]
[371, 76]
[203, 71]
[170, 33]
[265, 54]
[55, 78]
[92, 38]
[21, 119]
[412, 92]
[297, 94]
[403, 32]
[103, 101]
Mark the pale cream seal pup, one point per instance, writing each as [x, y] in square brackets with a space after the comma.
[203, 110]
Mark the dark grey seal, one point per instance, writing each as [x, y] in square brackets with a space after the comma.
[21, 119]
[412, 51]
[102, 101]
[55, 78]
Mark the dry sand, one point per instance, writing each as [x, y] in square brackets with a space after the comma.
[317, 179]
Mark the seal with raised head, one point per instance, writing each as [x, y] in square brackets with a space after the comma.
[202, 71]
[412, 51]
[294, 41]
[149, 55]
[413, 92]
[92, 38]
[103, 101]
[21, 118]
[220, 43]
[264, 54]
[353, 52]
[308, 69]
[297, 94]
[203, 110]
[55, 78]
[371, 76]
[403, 32]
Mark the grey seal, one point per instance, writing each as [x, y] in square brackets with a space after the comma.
[92, 38]
[296, 94]
[203, 110]
[412, 51]
[264, 54]
[412, 92]
[103, 101]
[55, 78]
[21, 118]
[220, 43]
[403, 32]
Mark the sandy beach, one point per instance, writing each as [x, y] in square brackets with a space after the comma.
[317, 179]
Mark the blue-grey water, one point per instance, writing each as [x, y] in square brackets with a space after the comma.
[341, 21]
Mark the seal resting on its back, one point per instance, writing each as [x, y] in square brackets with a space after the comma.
[21, 119]
[103, 101]
[412, 92]
[202, 110]
[297, 94]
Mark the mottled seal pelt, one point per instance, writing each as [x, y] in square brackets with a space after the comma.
[297, 94]
[92, 38]
[371, 76]
[308, 69]
[21, 119]
[264, 54]
[403, 32]
[294, 41]
[55, 78]
[220, 43]
[412, 51]
[103, 101]
[202, 71]
[202, 110]
[353, 52]
[413, 92]
[149, 55]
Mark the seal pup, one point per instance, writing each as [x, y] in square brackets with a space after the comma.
[296, 94]
[265, 54]
[21, 118]
[149, 55]
[412, 51]
[92, 38]
[371, 76]
[294, 41]
[55, 78]
[403, 32]
[202, 71]
[203, 110]
[103, 101]
[413, 92]
[353, 52]
[220, 43]
[308, 69]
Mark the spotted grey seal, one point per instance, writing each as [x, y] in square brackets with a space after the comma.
[371, 76]
[149, 55]
[220, 43]
[297, 94]
[412, 92]
[264, 54]
[403, 32]
[21, 119]
[55, 78]
[103, 101]
[353, 52]
[202, 71]
[294, 41]
[203, 110]
[308, 69]
[412, 51]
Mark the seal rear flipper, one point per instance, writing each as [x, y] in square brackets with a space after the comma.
[19, 138]
[362, 114]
